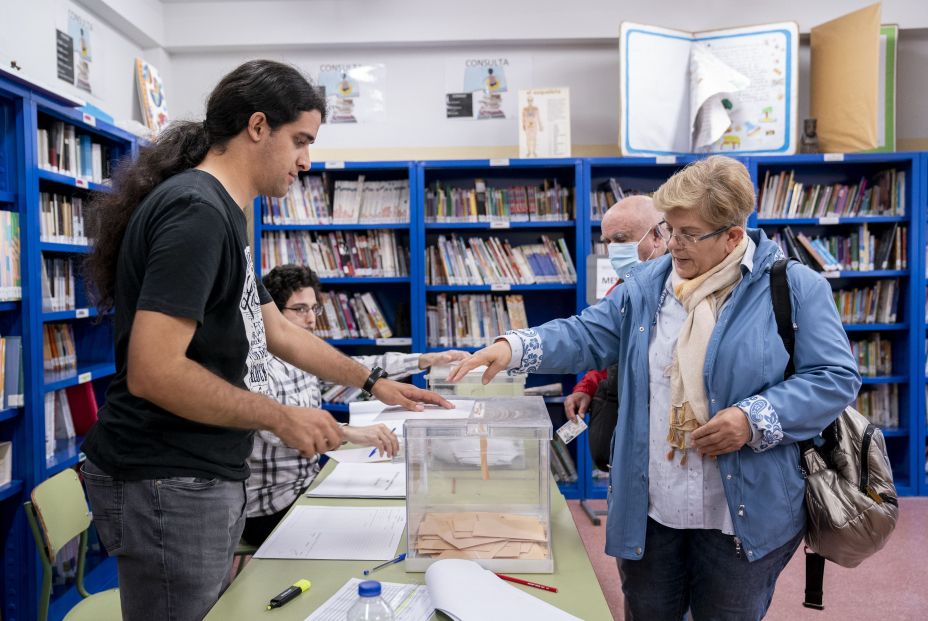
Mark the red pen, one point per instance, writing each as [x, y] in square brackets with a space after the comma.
[543, 587]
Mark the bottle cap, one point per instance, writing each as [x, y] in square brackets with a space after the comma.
[369, 588]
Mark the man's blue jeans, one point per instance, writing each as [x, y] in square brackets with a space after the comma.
[173, 540]
[702, 571]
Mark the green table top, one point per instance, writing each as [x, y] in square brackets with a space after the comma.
[261, 579]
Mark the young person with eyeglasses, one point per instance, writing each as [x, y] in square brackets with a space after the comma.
[279, 474]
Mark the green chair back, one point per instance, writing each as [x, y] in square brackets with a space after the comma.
[57, 514]
[62, 510]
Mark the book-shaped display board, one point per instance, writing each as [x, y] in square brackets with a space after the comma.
[479, 487]
[733, 90]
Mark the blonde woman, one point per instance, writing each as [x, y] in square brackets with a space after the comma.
[706, 498]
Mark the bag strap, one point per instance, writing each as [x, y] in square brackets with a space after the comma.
[783, 312]
[815, 580]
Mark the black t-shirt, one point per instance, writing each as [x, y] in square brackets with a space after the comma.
[185, 254]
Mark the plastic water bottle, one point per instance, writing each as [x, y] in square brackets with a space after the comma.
[370, 606]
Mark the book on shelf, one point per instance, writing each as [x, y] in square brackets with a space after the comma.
[61, 219]
[547, 202]
[874, 304]
[862, 249]
[351, 315]
[879, 403]
[337, 254]
[352, 201]
[472, 320]
[57, 284]
[63, 150]
[10, 268]
[59, 349]
[11, 353]
[782, 195]
[6, 463]
[874, 356]
[562, 464]
[491, 261]
[82, 402]
[607, 194]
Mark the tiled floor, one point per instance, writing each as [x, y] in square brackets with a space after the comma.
[891, 586]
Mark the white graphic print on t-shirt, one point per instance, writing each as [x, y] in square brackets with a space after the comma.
[250, 307]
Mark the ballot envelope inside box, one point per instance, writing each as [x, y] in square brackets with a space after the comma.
[479, 488]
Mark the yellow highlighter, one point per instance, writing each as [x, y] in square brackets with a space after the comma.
[289, 593]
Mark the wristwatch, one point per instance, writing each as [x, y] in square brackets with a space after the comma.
[376, 374]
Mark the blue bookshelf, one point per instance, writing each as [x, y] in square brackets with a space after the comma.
[907, 349]
[22, 112]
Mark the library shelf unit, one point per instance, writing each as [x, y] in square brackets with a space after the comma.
[395, 295]
[23, 111]
[903, 440]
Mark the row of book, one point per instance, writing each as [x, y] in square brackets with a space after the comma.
[59, 350]
[784, 196]
[62, 150]
[472, 320]
[875, 304]
[880, 404]
[607, 194]
[369, 202]
[859, 250]
[548, 202]
[337, 254]
[10, 271]
[562, 463]
[58, 284]
[491, 261]
[11, 371]
[61, 219]
[874, 356]
[351, 315]
[336, 393]
[68, 413]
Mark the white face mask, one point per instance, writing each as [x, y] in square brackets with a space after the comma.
[624, 256]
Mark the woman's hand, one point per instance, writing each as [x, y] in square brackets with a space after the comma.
[496, 357]
[378, 436]
[442, 357]
[726, 432]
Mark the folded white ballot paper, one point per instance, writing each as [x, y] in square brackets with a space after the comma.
[348, 480]
[465, 591]
[337, 533]
[374, 412]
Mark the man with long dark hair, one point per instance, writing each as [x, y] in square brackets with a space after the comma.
[165, 465]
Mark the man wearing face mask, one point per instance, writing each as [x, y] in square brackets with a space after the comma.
[628, 230]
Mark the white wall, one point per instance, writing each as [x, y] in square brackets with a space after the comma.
[27, 35]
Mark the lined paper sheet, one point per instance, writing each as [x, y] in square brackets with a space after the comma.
[410, 602]
[384, 480]
[337, 533]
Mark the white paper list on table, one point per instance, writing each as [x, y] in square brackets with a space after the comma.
[337, 533]
[348, 480]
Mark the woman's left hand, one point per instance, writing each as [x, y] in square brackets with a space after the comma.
[726, 432]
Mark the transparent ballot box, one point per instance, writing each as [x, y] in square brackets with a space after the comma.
[471, 385]
[479, 487]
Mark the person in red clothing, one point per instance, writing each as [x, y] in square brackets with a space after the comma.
[628, 230]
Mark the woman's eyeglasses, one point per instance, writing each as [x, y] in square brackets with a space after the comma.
[666, 233]
[303, 309]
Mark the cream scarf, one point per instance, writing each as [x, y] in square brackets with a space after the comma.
[702, 297]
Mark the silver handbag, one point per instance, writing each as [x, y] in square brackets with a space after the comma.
[851, 500]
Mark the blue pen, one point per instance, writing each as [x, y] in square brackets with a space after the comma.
[399, 558]
[374, 450]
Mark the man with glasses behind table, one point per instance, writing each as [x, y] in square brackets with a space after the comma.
[279, 474]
